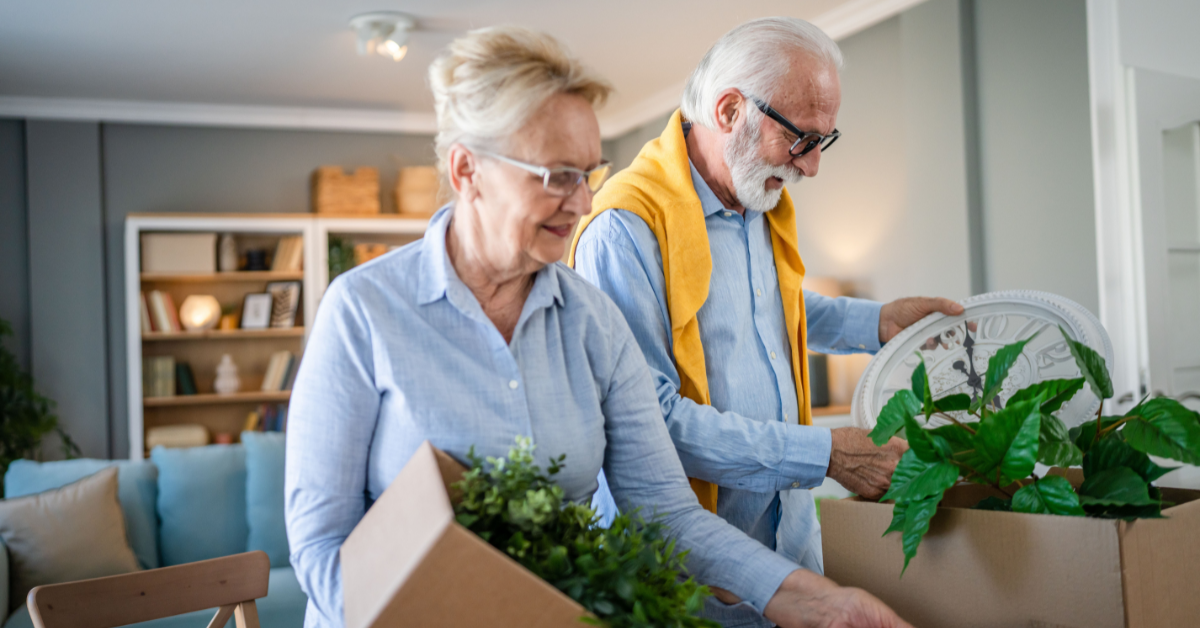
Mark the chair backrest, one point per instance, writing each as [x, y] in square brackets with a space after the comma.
[231, 584]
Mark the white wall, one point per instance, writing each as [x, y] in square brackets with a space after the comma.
[1160, 35]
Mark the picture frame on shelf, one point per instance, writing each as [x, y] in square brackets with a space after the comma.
[256, 310]
[285, 300]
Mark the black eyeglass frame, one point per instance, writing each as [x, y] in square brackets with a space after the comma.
[824, 141]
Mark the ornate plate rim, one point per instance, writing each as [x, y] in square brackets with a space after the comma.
[1062, 306]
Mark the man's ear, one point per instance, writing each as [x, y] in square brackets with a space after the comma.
[729, 109]
[462, 169]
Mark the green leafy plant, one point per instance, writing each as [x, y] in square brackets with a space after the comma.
[997, 444]
[341, 255]
[25, 416]
[626, 575]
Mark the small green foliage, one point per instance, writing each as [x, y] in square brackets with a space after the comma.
[26, 417]
[627, 575]
[998, 446]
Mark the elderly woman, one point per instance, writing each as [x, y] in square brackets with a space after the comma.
[476, 334]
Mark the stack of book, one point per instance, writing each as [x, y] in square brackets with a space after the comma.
[281, 372]
[158, 377]
[267, 418]
[289, 254]
[159, 313]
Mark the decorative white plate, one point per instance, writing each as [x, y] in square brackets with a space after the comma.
[956, 350]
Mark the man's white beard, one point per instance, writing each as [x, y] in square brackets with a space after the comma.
[750, 173]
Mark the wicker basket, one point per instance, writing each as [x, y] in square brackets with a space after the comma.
[336, 192]
[417, 191]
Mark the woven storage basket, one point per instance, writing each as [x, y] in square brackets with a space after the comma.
[337, 192]
[417, 191]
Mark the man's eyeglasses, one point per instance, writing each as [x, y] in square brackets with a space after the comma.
[805, 142]
[560, 181]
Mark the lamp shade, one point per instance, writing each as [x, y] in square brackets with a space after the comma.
[199, 312]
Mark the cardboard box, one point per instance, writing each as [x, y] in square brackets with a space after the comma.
[981, 569]
[179, 253]
[408, 563]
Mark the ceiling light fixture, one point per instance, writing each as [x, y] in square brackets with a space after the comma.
[384, 33]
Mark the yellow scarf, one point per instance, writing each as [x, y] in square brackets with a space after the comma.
[658, 188]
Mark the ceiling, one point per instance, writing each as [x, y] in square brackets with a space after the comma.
[294, 62]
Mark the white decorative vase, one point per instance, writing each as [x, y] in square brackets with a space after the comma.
[227, 381]
[227, 258]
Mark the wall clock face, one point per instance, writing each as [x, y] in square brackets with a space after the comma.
[956, 350]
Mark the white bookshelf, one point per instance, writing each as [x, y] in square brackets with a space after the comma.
[315, 231]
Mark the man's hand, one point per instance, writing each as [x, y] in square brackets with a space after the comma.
[901, 313]
[857, 464]
[807, 600]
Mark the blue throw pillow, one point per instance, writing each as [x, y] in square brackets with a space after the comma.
[201, 502]
[137, 490]
[264, 495]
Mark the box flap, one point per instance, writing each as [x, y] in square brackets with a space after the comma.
[394, 536]
[981, 569]
[1161, 561]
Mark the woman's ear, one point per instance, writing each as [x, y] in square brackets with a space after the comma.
[462, 170]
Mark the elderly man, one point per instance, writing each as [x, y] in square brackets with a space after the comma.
[696, 243]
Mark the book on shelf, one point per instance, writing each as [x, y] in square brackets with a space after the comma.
[185, 380]
[147, 327]
[266, 418]
[162, 313]
[172, 311]
[289, 254]
[279, 371]
[158, 376]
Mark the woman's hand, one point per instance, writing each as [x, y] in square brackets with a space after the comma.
[807, 600]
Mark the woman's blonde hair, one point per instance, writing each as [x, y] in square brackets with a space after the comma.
[490, 81]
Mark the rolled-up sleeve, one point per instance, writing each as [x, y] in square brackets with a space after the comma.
[724, 448]
[644, 473]
[842, 325]
[332, 416]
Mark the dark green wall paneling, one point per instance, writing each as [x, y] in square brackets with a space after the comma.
[14, 253]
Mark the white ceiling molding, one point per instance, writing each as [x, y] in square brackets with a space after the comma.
[196, 114]
[850, 18]
[843, 21]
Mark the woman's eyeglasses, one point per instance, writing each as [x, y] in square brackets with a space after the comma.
[805, 142]
[563, 180]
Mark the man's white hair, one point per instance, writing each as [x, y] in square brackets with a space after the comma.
[752, 58]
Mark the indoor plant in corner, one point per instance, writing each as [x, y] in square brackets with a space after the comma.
[996, 442]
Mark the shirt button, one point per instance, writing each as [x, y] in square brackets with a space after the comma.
[728, 214]
[513, 384]
[772, 355]
[758, 292]
[795, 485]
[862, 346]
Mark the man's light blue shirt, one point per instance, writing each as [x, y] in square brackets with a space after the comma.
[401, 352]
[748, 441]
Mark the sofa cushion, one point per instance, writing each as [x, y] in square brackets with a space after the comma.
[264, 495]
[282, 608]
[137, 488]
[201, 502]
[64, 534]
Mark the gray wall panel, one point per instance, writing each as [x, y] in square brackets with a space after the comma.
[66, 269]
[14, 254]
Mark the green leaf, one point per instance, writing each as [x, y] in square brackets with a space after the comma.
[920, 387]
[916, 524]
[1166, 429]
[1051, 495]
[961, 443]
[928, 446]
[1091, 366]
[1084, 436]
[994, 503]
[899, 513]
[1008, 439]
[902, 405]
[1111, 453]
[953, 403]
[1055, 448]
[1120, 486]
[997, 371]
[916, 479]
[1055, 392]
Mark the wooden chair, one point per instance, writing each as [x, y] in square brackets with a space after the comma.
[231, 584]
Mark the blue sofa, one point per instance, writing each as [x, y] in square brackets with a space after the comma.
[185, 505]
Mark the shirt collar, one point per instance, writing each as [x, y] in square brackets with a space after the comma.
[708, 199]
[438, 278]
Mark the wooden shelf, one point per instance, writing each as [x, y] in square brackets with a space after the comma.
[230, 334]
[247, 275]
[214, 399]
[831, 410]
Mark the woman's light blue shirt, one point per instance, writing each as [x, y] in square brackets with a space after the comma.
[401, 352]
